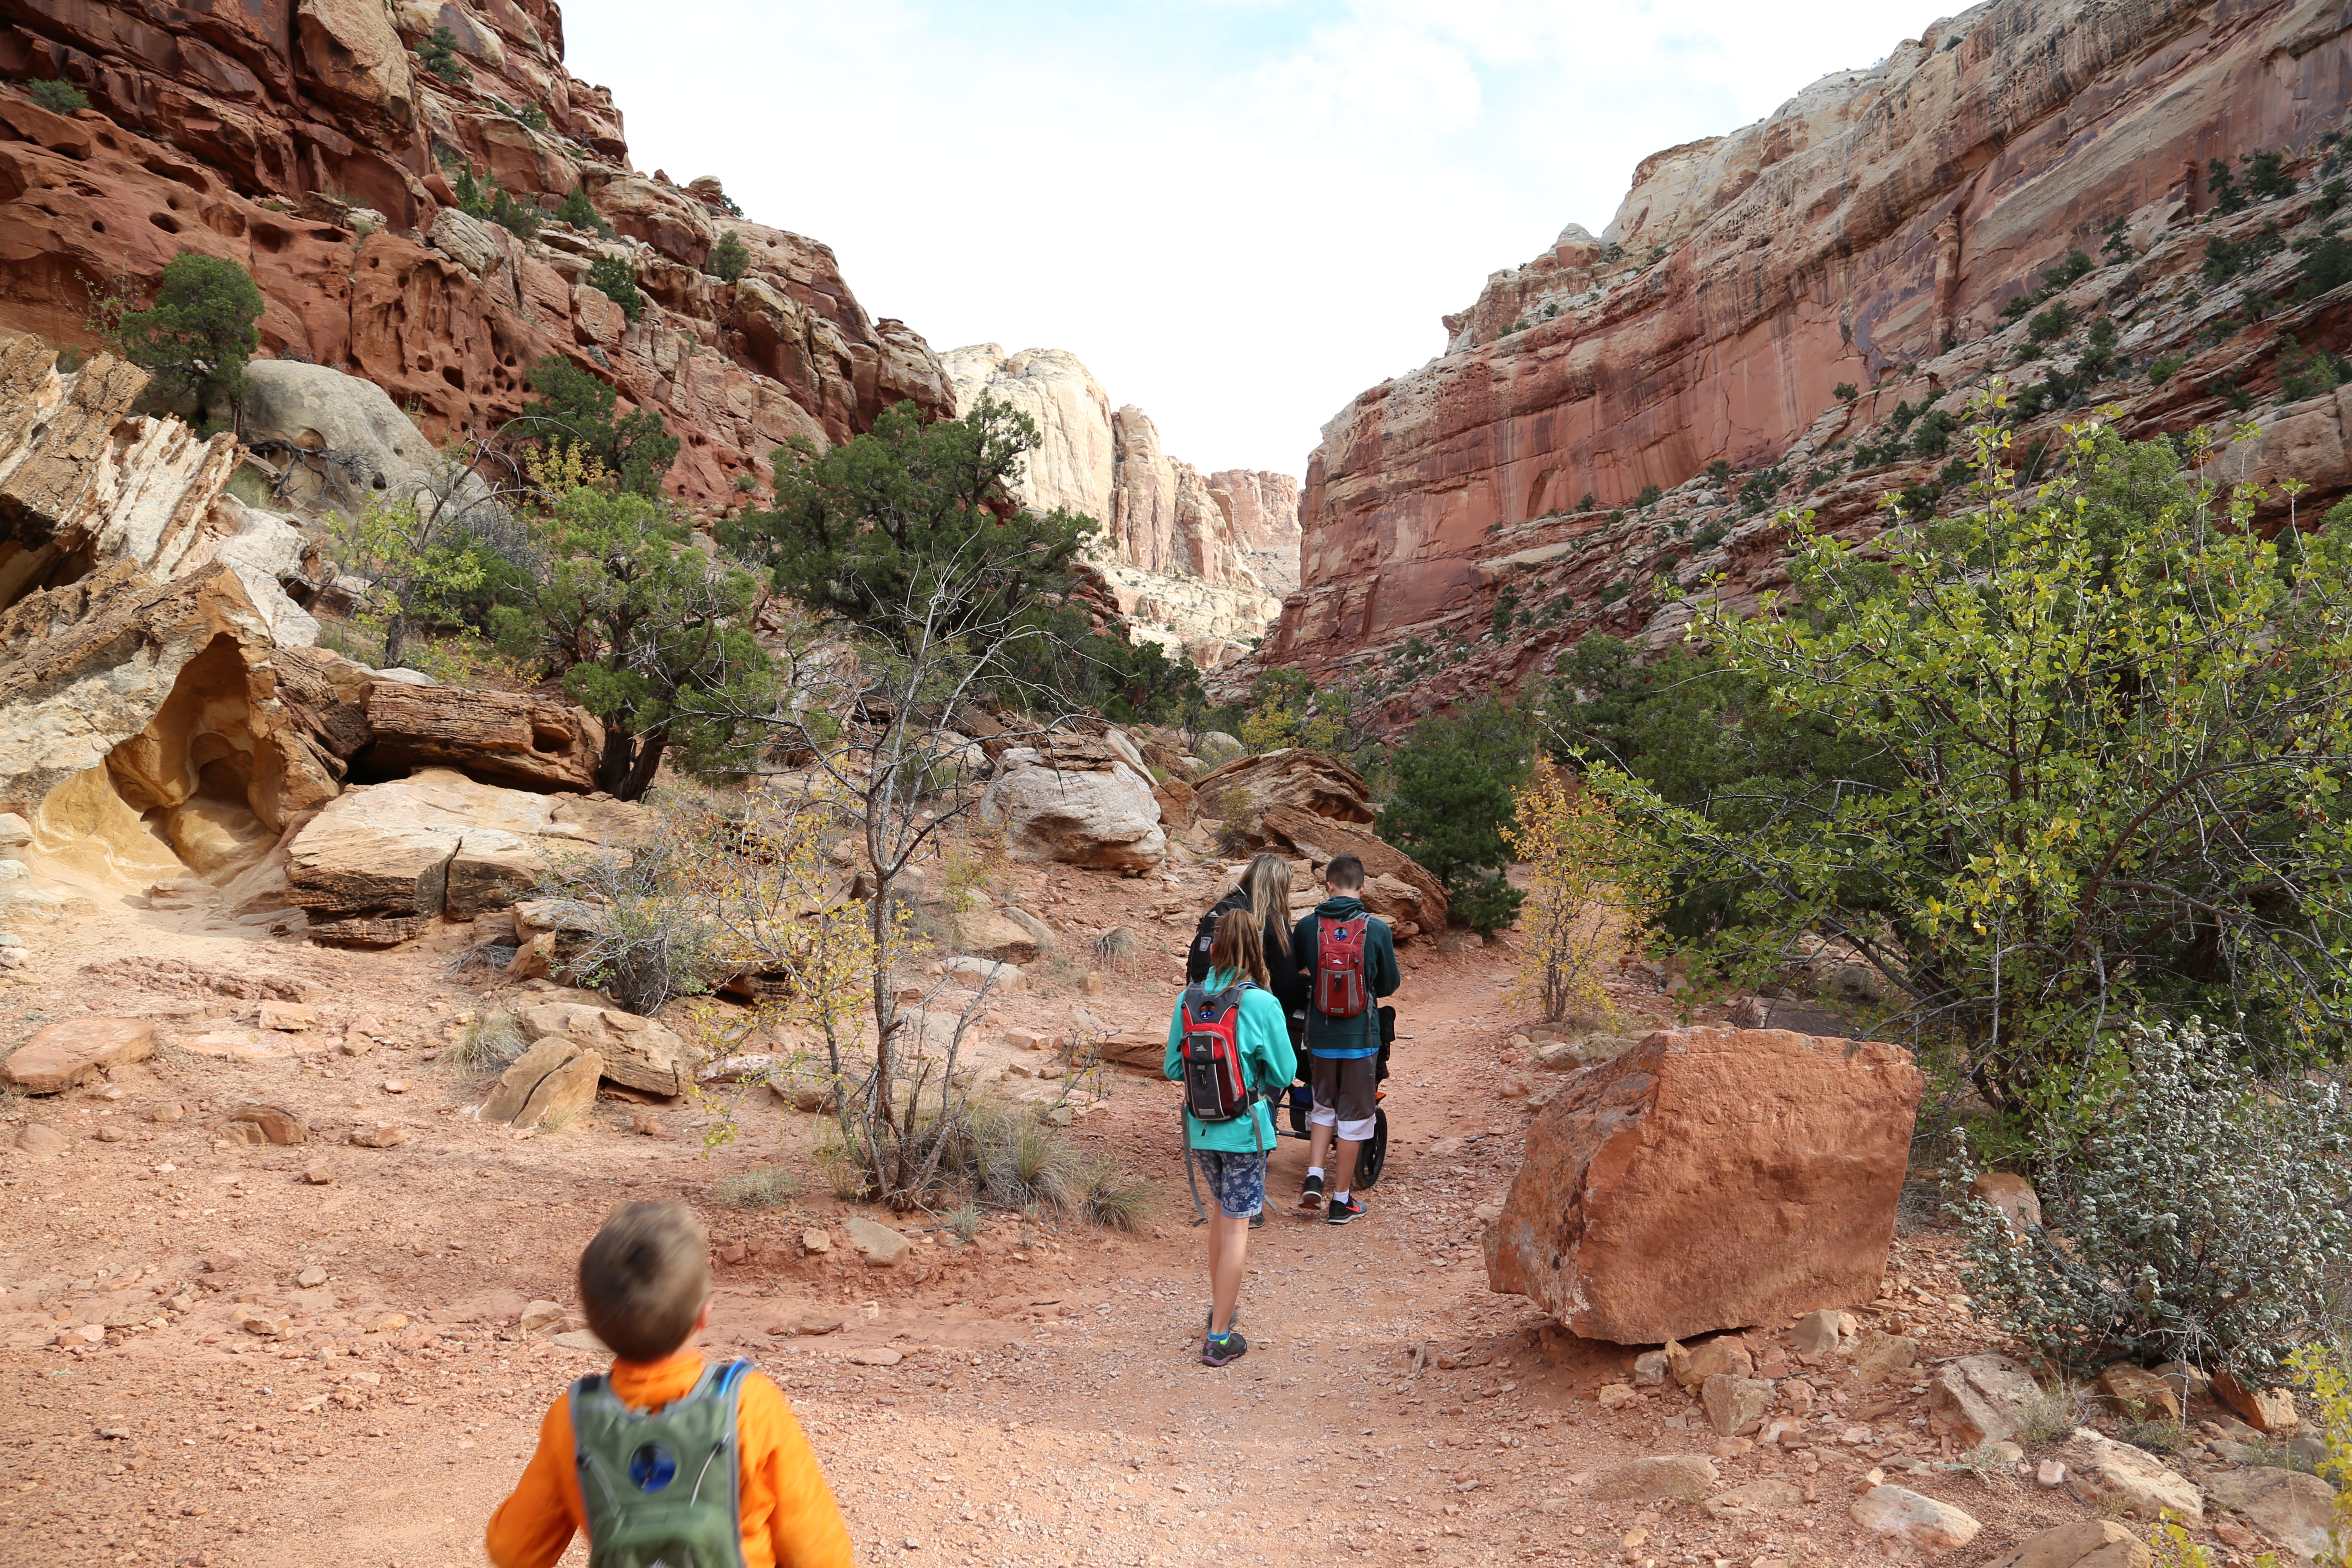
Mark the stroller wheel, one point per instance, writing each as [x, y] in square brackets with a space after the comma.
[1374, 1154]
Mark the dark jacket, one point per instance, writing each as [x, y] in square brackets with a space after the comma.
[1359, 1036]
[1290, 984]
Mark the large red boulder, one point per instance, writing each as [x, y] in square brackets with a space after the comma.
[1710, 1179]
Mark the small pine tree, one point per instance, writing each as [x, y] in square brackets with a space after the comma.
[2268, 177]
[1454, 781]
[2222, 185]
[438, 54]
[728, 258]
[617, 281]
[580, 212]
[199, 334]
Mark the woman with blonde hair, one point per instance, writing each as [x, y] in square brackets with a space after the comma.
[1228, 1023]
[1264, 891]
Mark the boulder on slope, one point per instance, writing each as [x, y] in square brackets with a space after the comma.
[1104, 817]
[1241, 790]
[1396, 886]
[1710, 1179]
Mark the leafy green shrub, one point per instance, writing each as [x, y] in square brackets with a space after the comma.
[1611, 592]
[2076, 266]
[1932, 434]
[2331, 199]
[2268, 178]
[2222, 185]
[2328, 265]
[574, 414]
[2117, 245]
[1761, 488]
[1845, 391]
[57, 95]
[618, 280]
[532, 115]
[1649, 497]
[1506, 606]
[728, 258]
[1588, 502]
[2307, 373]
[2163, 367]
[494, 205]
[438, 54]
[2018, 305]
[2050, 324]
[2200, 1213]
[580, 213]
[1718, 473]
[1454, 775]
[199, 334]
[1707, 538]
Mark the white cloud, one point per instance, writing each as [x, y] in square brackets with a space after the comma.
[1239, 214]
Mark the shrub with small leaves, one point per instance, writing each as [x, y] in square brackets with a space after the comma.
[56, 95]
[1845, 391]
[1649, 497]
[2201, 1217]
[2117, 243]
[617, 281]
[2076, 266]
[1718, 473]
[2222, 185]
[438, 54]
[2268, 178]
[729, 259]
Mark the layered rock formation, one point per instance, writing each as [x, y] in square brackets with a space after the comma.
[307, 144]
[1870, 232]
[1180, 551]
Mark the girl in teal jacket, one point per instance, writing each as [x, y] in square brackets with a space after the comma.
[1232, 1155]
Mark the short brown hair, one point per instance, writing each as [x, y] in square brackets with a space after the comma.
[644, 1280]
[1238, 948]
[1344, 871]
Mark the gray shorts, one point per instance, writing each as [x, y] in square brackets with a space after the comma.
[1237, 1180]
[1346, 1092]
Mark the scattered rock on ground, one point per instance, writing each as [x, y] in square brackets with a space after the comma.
[1735, 1404]
[2134, 1388]
[879, 1244]
[1685, 1475]
[2013, 1195]
[255, 1122]
[1754, 1497]
[43, 1141]
[2085, 1543]
[1823, 1331]
[1980, 1399]
[638, 1052]
[1913, 1520]
[1103, 817]
[2298, 1509]
[2269, 1411]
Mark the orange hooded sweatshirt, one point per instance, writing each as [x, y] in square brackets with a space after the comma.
[789, 1520]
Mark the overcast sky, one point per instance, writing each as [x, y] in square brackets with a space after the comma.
[1239, 213]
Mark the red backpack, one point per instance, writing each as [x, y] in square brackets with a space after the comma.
[1340, 967]
[1215, 1089]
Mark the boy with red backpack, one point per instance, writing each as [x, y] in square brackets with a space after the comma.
[1353, 959]
[1228, 1045]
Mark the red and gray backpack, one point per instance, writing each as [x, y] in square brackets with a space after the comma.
[1339, 990]
[1216, 1088]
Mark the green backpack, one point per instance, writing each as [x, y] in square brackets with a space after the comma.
[660, 1486]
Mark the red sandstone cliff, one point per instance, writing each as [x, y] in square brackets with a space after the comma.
[266, 132]
[1870, 231]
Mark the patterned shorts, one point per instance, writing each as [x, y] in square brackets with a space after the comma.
[1237, 1180]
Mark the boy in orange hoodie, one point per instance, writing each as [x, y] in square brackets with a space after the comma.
[664, 1458]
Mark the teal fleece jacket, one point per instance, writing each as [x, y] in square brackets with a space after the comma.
[1359, 1036]
[1267, 1063]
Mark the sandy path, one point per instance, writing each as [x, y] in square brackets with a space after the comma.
[1046, 1406]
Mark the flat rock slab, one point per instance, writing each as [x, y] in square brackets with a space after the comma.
[1709, 1179]
[637, 1052]
[77, 1050]
[258, 1123]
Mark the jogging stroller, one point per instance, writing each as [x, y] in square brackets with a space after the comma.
[1300, 1098]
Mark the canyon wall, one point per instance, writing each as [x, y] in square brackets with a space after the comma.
[302, 140]
[1869, 232]
[1187, 555]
